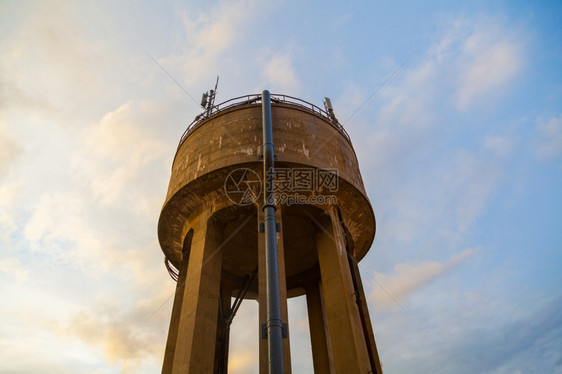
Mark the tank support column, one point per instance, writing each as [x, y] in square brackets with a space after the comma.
[361, 301]
[176, 311]
[349, 350]
[197, 318]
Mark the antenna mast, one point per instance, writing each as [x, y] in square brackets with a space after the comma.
[208, 99]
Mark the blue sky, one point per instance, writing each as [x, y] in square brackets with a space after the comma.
[460, 151]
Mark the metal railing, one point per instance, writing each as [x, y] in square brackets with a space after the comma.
[256, 98]
[174, 273]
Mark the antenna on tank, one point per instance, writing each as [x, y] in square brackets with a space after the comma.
[330, 109]
[208, 99]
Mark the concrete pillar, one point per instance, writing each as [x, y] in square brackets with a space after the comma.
[318, 331]
[262, 296]
[349, 350]
[197, 319]
[365, 319]
[176, 309]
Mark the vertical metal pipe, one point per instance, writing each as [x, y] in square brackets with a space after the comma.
[274, 323]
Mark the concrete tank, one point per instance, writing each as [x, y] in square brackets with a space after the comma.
[209, 230]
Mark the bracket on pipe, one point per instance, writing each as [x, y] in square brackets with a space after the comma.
[277, 227]
[264, 330]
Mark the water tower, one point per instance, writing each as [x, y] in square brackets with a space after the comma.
[266, 202]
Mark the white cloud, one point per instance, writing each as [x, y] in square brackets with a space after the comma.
[118, 151]
[8, 151]
[500, 145]
[8, 193]
[402, 126]
[13, 266]
[430, 180]
[57, 228]
[244, 348]
[279, 72]
[490, 68]
[490, 56]
[70, 231]
[127, 338]
[242, 361]
[210, 35]
[52, 61]
[466, 186]
[473, 61]
[433, 204]
[406, 279]
[550, 141]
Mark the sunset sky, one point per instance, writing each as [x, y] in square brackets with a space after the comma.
[455, 112]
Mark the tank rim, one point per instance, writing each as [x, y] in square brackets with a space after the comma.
[254, 99]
